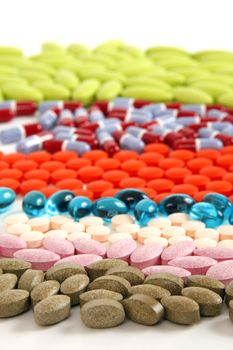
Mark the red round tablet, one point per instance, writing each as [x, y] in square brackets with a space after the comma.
[161, 196]
[95, 155]
[208, 153]
[108, 164]
[83, 192]
[11, 174]
[64, 156]
[161, 185]
[99, 186]
[132, 166]
[213, 172]
[11, 183]
[149, 191]
[31, 185]
[110, 193]
[228, 177]
[151, 158]
[77, 163]
[4, 165]
[40, 156]
[198, 163]
[161, 148]
[177, 175]
[69, 184]
[13, 157]
[62, 174]
[225, 161]
[227, 150]
[182, 154]
[223, 187]
[198, 196]
[197, 180]
[39, 174]
[49, 190]
[115, 176]
[148, 173]
[90, 173]
[185, 188]
[25, 165]
[169, 163]
[132, 182]
[122, 156]
[52, 165]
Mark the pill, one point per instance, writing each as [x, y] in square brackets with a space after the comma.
[148, 232]
[225, 232]
[71, 227]
[197, 265]
[52, 310]
[218, 253]
[56, 234]
[89, 246]
[158, 240]
[176, 271]
[102, 313]
[151, 290]
[192, 226]
[173, 231]
[8, 281]
[77, 235]
[39, 224]
[99, 268]
[227, 243]
[160, 223]
[30, 279]
[59, 246]
[113, 283]
[177, 239]
[73, 286]
[16, 219]
[204, 243]
[44, 290]
[177, 250]
[229, 293]
[206, 282]
[114, 237]
[40, 259]
[231, 310]
[177, 219]
[121, 219]
[223, 271]
[166, 280]
[146, 255]
[121, 249]
[18, 229]
[57, 221]
[99, 294]
[9, 244]
[81, 259]
[98, 232]
[91, 221]
[181, 310]
[33, 239]
[131, 229]
[13, 302]
[15, 266]
[133, 275]
[62, 271]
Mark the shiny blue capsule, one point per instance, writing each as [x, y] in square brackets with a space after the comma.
[145, 211]
[176, 203]
[108, 207]
[79, 207]
[34, 203]
[131, 197]
[58, 202]
[207, 213]
[7, 197]
[221, 202]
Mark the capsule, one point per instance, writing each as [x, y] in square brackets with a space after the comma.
[107, 142]
[7, 197]
[176, 203]
[131, 197]
[59, 145]
[48, 119]
[35, 142]
[58, 203]
[127, 141]
[198, 144]
[207, 213]
[145, 210]
[34, 203]
[66, 118]
[79, 207]
[198, 109]
[44, 106]
[108, 207]
[122, 103]
[221, 202]
[80, 116]
[138, 116]
[142, 134]
[96, 115]
[16, 133]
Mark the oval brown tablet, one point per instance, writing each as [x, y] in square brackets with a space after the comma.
[13, 302]
[99, 294]
[16, 266]
[206, 282]
[166, 280]
[113, 283]
[231, 310]
[229, 293]
[100, 267]
[1, 272]
[210, 303]
[181, 310]
[30, 279]
[44, 290]
[151, 290]
[132, 274]
[52, 310]
[62, 271]
[73, 286]
[8, 281]
[102, 313]
[143, 309]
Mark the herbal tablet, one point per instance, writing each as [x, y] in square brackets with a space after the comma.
[8, 281]
[44, 290]
[99, 294]
[114, 283]
[206, 282]
[64, 270]
[151, 290]
[13, 302]
[15, 266]
[30, 279]
[73, 286]
[133, 275]
[99, 268]
[166, 280]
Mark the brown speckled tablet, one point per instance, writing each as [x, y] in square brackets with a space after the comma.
[113, 283]
[16, 266]
[44, 290]
[73, 286]
[100, 267]
[166, 280]
[206, 282]
[30, 279]
[1, 272]
[210, 303]
[99, 294]
[8, 281]
[132, 274]
[181, 310]
[151, 290]
[229, 292]
[231, 310]
[143, 309]
[64, 270]
[13, 302]
[102, 313]
[52, 310]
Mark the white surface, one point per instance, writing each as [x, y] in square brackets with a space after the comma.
[194, 25]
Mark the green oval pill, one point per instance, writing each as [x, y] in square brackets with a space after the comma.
[21, 93]
[52, 91]
[109, 90]
[147, 93]
[192, 95]
[86, 91]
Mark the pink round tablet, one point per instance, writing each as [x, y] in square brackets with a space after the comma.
[197, 265]
[59, 246]
[82, 259]
[41, 259]
[176, 250]
[121, 249]
[222, 271]
[9, 244]
[147, 255]
[89, 246]
[177, 271]
[218, 253]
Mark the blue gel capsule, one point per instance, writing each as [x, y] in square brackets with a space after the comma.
[77, 146]
[131, 197]
[219, 126]
[199, 109]
[96, 116]
[231, 219]
[58, 203]
[79, 207]
[34, 203]
[209, 143]
[108, 207]
[132, 143]
[207, 213]
[145, 211]
[221, 202]
[44, 106]
[176, 203]
[216, 113]
[48, 119]
[7, 197]
[12, 134]
[121, 103]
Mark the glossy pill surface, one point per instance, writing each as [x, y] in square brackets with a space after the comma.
[34, 203]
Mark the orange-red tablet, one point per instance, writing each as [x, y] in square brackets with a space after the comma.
[132, 166]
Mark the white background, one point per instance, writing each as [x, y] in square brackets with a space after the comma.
[194, 25]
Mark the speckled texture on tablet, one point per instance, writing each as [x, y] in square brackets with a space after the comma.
[197, 265]
[99, 294]
[229, 293]
[16, 266]
[218, 253]
[73, 286]
[153, 291]
[8, 281]
[206, 282]
[222, 271]
[64, 270]
[99, 268]
[113, 283]
[177, 250]
[41, 259]
[146, 255]
[30, 279]
[81, 259]
[133, 275]
[177, 271]
[166, 280]
[89, 246]
[13, 302]
[44, 290]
